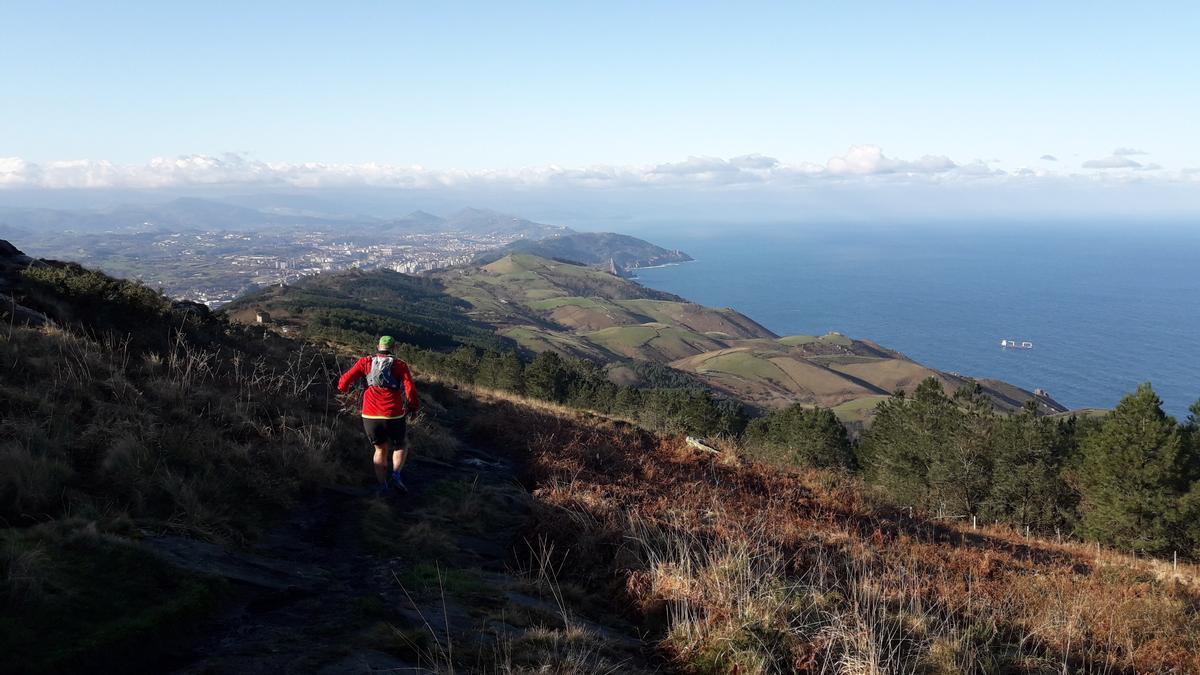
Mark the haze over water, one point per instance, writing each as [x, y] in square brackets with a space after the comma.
[1106, 309]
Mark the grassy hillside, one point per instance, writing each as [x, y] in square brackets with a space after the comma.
[593, 313]
[737, 567]
[356, 307]
[551, 305]
[124, 415]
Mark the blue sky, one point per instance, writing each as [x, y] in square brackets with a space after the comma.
[497, 87]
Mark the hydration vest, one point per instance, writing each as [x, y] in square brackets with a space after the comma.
[381, 373]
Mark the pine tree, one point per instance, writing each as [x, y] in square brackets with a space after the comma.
[1132, 476]
[547, 378]
[1027, 487]
[463, 364]
[932, 450]
[808, 436]
[510, 373]
[905, 441]
[487, 375]
[960, 468]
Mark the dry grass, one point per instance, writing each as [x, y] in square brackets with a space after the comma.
[99, 439]
[430, 439]
[197, 440]
[738, 567]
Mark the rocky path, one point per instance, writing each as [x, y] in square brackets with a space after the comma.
[433, 581]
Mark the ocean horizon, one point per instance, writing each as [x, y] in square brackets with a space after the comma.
[1106, 309]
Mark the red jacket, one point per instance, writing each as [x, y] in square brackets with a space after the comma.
[379, 402]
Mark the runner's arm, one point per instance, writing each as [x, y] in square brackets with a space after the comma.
[410, 387]
[351, 376]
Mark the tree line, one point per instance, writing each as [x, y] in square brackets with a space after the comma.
[1129, 479]
[664, 403]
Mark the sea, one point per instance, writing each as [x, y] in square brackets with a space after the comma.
[1106, 307]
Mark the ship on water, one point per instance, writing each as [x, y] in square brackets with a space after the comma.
[1013, 344]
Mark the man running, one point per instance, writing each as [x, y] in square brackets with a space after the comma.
[389, 396]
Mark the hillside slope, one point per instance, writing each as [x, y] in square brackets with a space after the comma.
[608, 250]
[552, 305]
[123, 415]
[342, 306]
[183, 494]
[741, 568]
[552, 295]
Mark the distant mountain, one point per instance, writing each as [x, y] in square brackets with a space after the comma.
[417, 221]
[485, 220]
[193, 213]
[12, 231]
[299, 204]
[618, 253]
[182, 213]
[257, 211]
[475, 221]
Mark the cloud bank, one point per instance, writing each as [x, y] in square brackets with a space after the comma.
[861, 164]
[1119, 159]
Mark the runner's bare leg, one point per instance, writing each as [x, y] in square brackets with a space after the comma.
[381, 464]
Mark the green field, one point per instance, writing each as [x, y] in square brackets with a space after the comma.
[567, 301]
[842, 359]
[537, 340]
[797, 340]
[858, 410]
[1094, 413]
[828, 338]
[836, 339]
[654, 341]
[536, 294]
[624, 337]
[745, 364]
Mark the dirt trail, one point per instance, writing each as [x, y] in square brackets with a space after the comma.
[353, 583]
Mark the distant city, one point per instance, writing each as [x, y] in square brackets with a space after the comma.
[215, 266]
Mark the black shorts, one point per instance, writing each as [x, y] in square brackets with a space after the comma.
[380, 432]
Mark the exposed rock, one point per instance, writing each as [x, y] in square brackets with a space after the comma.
[372, 661]
[23, 315]
[211, 559]
[7, 250]
[188, 307]
[11, 256]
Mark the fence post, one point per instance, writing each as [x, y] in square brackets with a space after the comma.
[974, 524]
[1175, 560]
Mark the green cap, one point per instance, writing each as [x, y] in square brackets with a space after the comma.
[385, 342]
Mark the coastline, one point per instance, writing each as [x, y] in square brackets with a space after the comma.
[981, 373]
[633, 272]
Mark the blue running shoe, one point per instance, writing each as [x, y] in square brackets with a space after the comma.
[397, 483]
[383, 490]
